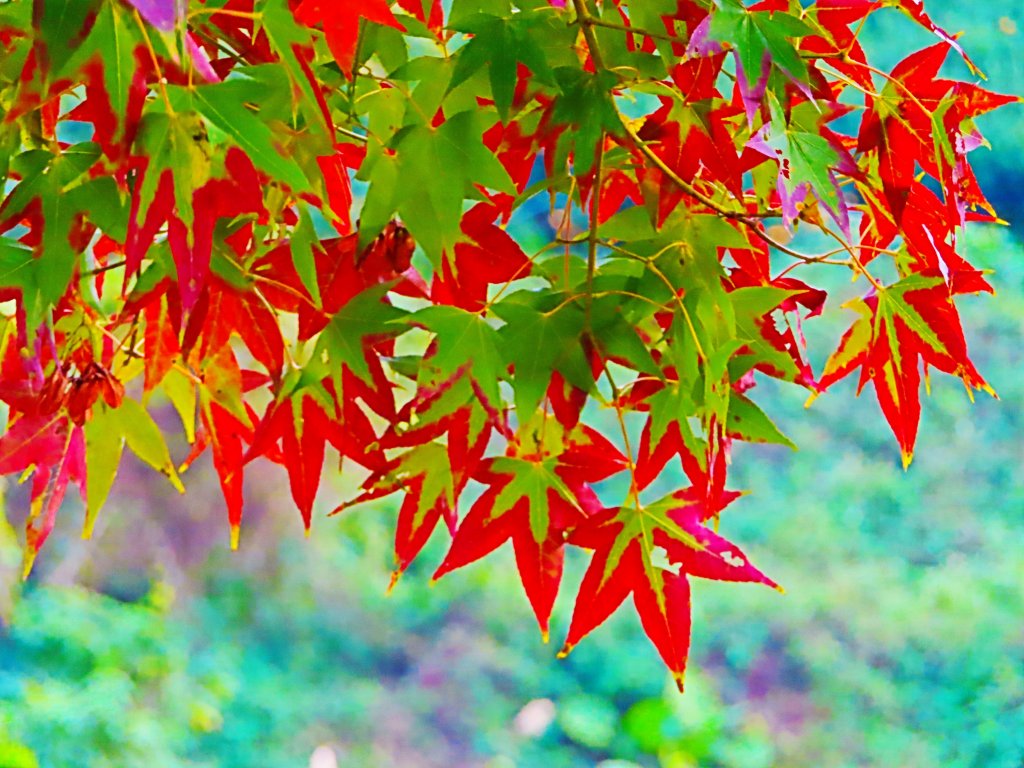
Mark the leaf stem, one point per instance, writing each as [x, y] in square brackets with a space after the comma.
[586, 22]
[595, 22]
[595, 211]
[160, 79]
[634, 489]
[251, 15]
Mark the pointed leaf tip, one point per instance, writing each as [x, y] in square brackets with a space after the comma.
[395, 576]
[908, 458]
[680, 680]
[235, 536]
[27, 564]
[175, 480]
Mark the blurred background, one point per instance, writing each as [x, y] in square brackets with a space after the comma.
[900, 641]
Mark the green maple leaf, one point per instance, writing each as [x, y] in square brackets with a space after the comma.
[56, 182]
[104, 444]
[648, 16]
[755, 33]
[286, 37]
[143, 436]
[531, 480]
[302, 244]
[176, 144]
[438, 168]
[585, 104]
[613, 325]
[362, 320]
[18, 269]
[465, 342]
[673, 404]
[61, 26]
[750, 305]
[116, 38]
[499, 44]
[226, 105]
[748, 422]
[808, 157]
[537, 344]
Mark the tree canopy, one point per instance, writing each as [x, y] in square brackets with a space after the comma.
[303, 224]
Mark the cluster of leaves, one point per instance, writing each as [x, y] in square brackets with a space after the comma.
[201, 246]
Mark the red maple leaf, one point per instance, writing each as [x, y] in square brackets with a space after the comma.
[341, 20]
[907, 324]
[634, 550]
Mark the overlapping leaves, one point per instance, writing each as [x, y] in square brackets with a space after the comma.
[178, 246]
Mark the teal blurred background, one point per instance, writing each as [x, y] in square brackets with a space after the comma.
[900, 641]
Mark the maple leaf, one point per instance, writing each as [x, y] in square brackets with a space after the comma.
[585, 105]
[666, 432]
[430, 12]
[807, 158]
[290, 40]
[227, 106]
[160, 342]
[104, 444]
[536, 344]
[32, 440]
[490, 257]
[670, 137]
[316, 277]
[143, 437]
[245, 313]
[465, 343]
[361, 322]
[534, 498]
[424, 474]
[18, 271]
[225, 427]
[529, 503]
[48, 490]
[341, 21]
[454, 151]
[902, 124]
[224, 433]
[298, 425]
[626, 542]
[912, 321]
[115, 80]
[501, 44]
[301, 425]
[190, 202]
[61, 26]
[915, 10]
[52, 196]
[759, 37]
